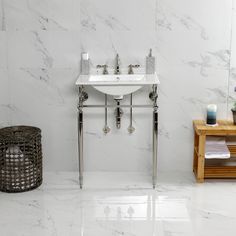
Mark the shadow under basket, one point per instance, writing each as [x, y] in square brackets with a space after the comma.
[20, 159]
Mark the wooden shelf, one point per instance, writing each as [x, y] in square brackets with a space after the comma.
[220, 172]
[224, 128]
[232, 150]
[201, 170]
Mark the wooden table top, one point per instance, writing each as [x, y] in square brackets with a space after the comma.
[224, 127]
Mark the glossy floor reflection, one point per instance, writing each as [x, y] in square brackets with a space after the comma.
[121, 204]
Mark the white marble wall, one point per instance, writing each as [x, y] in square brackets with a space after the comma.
[39, 61]
[232, 81]
[40, 45]
[193, 42]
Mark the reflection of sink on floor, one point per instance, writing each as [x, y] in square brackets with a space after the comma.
[118, 85]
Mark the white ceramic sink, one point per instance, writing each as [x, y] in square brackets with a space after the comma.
[118, 85]
[115, 78]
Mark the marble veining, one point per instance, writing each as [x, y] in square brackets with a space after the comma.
[48, 61]
[223, 57]
[121, 204]
[43, 75]
[233, 74]
[106, 15]
[109, 21]
[40, 46]
[216, 59]
[203, 65]
[45, 21]
[190, 24]
[167, 18]
[42, 15]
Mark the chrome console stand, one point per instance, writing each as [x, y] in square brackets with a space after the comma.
[83, 96]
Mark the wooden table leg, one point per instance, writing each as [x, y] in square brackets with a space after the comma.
[195, 155]
[201, 158]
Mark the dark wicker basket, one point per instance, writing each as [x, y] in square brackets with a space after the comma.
[20, 159]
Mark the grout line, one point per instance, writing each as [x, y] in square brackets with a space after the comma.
[3, 26]
[156, 11]
[230, 59]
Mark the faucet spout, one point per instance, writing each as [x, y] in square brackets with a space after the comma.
[117, 65]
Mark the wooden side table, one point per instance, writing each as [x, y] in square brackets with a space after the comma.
[201, 130]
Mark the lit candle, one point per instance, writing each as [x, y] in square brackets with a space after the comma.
[211, 114]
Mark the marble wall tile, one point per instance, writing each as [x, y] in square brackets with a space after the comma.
[52, 15]
[3, 50]
[127, 28]
[192, 47]
[232, 80]
[202, 17]
[41, 49]
[103, 47]
[198, 32]
[111, 27]
[193, 59]
[47, 99]
[106, 15]
[5, 106]
[117, 150]
[40, 56]
[2, 16]
[180, 103]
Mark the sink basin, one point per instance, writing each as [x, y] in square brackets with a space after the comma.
[115, 78]
[118, 85]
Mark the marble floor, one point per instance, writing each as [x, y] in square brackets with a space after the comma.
[114, 204]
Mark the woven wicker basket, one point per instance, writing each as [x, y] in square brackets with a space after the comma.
[20, 158]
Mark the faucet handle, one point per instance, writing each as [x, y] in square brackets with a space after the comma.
[105, 71]
[131, 66]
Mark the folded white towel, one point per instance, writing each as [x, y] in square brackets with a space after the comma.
[216, 148]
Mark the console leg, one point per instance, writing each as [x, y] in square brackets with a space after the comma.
[80, 145]
[153, 97]
[155, 136]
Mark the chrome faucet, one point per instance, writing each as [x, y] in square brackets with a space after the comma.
[105, 71]
[117, 65]
[130, 71]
